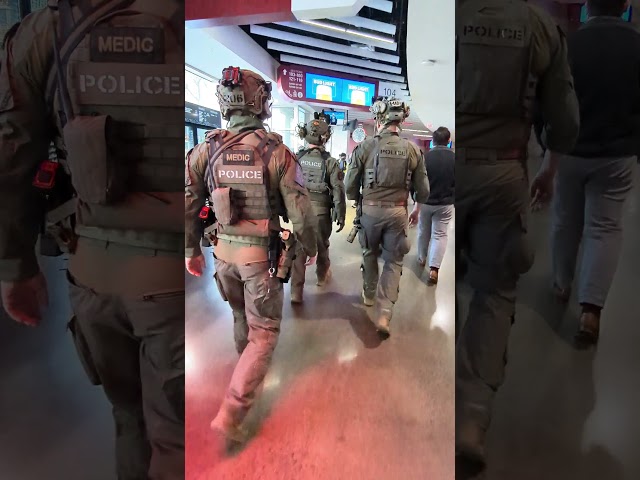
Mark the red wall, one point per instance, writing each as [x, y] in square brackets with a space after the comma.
[207, 13]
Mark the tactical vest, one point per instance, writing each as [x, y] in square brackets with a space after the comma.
[314, 170]
[117, 87]
[238, 176]
[387, 176]
[494, 78]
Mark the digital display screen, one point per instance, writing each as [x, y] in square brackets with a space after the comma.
[337, 118]
[584, 15]
[197, 115]
[431, 145]
[331, 89]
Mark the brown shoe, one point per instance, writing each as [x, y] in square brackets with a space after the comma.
[433, 276]
[589, 330]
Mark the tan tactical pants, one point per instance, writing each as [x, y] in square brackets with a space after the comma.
[134, 348]
[384, 231]
[322, 226]
[256, 301]
[492, 202]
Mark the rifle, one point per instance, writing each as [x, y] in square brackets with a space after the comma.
[356, 222]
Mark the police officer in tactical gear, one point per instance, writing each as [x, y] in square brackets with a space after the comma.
[510, 54]
[251, 179]
[382, 171]
[116, 120]
[324, 181]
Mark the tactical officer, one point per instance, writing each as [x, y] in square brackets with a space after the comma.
[250, 179]
[324, 181]
[382, 171]
[494, 108]
[115, 119]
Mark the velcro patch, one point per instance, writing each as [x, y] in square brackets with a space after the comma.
[240, 174]
[393, 153]
[311, 163]
[238, 157]
[499, 32]
[127, 45]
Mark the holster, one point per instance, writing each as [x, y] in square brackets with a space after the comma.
[211, 234]
[287, 257]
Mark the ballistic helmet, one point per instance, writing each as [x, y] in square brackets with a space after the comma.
[243, 92]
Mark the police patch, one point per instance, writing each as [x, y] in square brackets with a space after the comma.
[495, 32]
[138, 85]
[127, 45]
[240, 174]
[238, 157]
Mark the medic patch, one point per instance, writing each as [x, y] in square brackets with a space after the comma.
[127, 45]
[238, 157]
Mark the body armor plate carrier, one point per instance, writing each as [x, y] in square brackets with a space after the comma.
[238, 179]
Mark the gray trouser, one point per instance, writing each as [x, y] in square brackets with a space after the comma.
[384, 230]
[322, 226]
[588, 206]
[433, 232]
[491, 228]
[135, 349]
[256, 301]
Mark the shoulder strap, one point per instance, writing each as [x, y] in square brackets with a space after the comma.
[72, 31]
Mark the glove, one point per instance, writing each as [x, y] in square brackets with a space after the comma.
[195, 265]
[23, 300]
[340, 223]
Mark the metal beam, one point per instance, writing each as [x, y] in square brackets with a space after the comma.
[331, 57]
[382, 5]
[313, 42]
[362, 22]
[333, 32]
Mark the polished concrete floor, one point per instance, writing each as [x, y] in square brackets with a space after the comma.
[54, 424]
[565, 414]
[338, 403]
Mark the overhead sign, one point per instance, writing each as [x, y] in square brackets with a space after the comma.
[311, 85]
[388, 89]
[201, 116]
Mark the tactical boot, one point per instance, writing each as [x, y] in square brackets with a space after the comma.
[383, 325]
[296, 296]
[470, 438]
[225, 426]
[369, 302]
[324, 279]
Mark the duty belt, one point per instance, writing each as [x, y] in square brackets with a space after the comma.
[465, 154]
[383, 204]
[135, 243]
